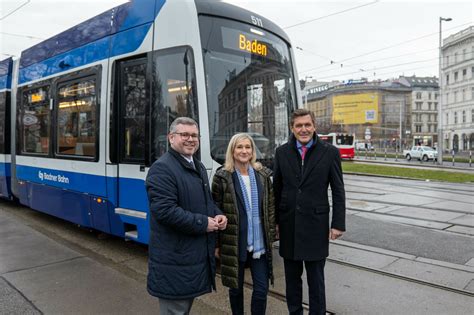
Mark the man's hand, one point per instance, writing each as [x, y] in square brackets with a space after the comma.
[277, 232]
[221, 221]
[212, 224]
[334, 234]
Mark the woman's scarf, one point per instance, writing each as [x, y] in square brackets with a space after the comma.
[255, 242]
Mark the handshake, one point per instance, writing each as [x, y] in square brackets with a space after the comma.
[219, 222]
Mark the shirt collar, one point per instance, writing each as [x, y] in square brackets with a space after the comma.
[308, 145]
[187, 158]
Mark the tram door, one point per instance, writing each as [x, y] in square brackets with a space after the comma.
[132, 129]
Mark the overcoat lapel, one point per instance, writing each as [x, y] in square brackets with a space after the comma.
[292, 158]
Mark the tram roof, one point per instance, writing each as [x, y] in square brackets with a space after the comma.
[115, 20]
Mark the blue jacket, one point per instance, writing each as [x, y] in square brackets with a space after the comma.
[181, 262]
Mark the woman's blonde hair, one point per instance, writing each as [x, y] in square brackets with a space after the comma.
[229, 156]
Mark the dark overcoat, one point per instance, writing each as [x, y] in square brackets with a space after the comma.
[228, 196]
[301, 198]
[181, 252]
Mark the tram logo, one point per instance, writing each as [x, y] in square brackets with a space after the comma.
[53, 178]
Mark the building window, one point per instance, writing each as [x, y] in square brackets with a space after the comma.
[464, 54]
[447, 79]
[418, 128]
[456, 76]
[429, 105]
[447, 118]
[463, 116]
[429, 95]
[455, 57]
[435, 106]
[455, 96]
[472, 115]
[418, 105]
[435, 128]
[463, 95]
[418, 95]
[455, 117]
[436, 96]
[447, 60]
[464, 74]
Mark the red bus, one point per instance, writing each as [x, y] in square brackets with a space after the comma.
[343, 141]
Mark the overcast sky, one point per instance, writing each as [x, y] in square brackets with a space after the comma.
[341, 40]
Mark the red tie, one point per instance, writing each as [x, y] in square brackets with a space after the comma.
[303, 151]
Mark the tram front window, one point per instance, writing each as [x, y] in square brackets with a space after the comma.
[250, 86]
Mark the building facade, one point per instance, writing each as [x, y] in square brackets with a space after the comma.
[377, 113]
[458, 91]
[424, 109]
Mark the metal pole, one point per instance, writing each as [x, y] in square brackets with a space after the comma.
[440, 99]
[453, 157]
[385, 154]
[400, 134]
[470, 158]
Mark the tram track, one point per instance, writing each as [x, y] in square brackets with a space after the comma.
[402, 277]
[416, 184]
[48, 225]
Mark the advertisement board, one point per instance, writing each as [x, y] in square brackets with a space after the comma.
[350, 109]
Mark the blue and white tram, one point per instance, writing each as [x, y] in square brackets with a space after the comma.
[90, 107]
[5, 97]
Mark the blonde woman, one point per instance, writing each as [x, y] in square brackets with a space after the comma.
[242, 189]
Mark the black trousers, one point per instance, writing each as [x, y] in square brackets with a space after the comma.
[294, 286]
[259, 270]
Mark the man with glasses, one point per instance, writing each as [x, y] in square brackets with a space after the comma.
[304, 168]
[183, 222]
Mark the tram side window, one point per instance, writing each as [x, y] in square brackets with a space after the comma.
[77, 119]
[35, 121]
[134, 98]
[173, 93]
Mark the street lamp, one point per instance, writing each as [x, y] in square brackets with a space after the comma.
[440, 100]
[306, 89]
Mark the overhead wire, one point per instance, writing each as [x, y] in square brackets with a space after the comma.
[14, 10]
[381, 49]
[332, 14]
[464, 54]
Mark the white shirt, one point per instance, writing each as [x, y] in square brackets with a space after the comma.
[246, 179]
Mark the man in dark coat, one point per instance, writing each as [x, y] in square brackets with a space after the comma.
[183, 221]
[304, 168]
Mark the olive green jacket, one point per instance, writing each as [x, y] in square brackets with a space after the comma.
[223, 192]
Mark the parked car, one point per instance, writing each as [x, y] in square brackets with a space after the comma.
[361, 146]
[421, 153]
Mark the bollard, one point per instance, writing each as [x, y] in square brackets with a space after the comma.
[470, 155]
[453, 157]
[366, 154]
[375, 154]
[396, 156]
[385, 154]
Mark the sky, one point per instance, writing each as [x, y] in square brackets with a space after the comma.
[332, 40]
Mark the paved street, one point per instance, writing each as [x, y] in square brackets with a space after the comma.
[407, 236]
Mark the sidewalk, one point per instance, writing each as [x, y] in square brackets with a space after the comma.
[40, 276]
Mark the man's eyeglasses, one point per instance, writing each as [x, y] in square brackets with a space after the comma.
[186, 136]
